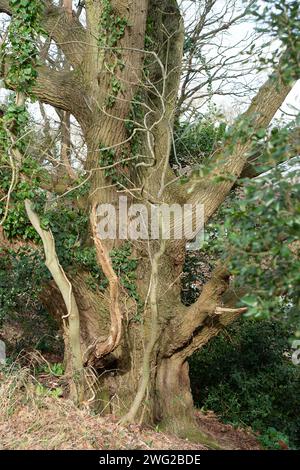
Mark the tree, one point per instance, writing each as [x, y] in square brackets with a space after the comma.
[119, 74]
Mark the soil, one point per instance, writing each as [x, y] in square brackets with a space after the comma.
[54, 423]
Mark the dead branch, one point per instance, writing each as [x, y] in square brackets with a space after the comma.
[101, 347]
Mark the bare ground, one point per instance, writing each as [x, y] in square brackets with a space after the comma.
[30, 419]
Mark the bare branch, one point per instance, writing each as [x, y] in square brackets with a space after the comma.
[237, 311]
[260, 112]
[102, 347]
[65, 30]
[189, 319]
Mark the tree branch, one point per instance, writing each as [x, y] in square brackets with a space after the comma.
[189, 319]
[211, 328]
[58, 88]
[64, 28]
[260, 113]
[102, 347]
[211, 194]
[195, 325]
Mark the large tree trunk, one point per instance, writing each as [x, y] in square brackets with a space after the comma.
[167, 400]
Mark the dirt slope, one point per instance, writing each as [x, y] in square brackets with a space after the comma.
[54, 423]
[61, 426]
[32, 418]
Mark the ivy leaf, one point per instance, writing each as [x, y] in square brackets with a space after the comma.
[250, 300]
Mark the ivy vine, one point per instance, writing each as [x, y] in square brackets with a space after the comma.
[111, 30]
[22, 53]
[112, 26]
[125, 267]
[107, 158]
[22, 50]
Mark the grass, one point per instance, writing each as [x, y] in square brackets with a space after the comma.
[31, 417]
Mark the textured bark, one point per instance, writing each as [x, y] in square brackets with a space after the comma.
[67, 4]
[260, 113]
[152, 337]
[60, 89]
[140, 363]
[66, 145]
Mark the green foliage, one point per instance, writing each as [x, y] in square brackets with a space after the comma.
[17, 225]
[125, 267]
[111, 30]
[15, 121]
[196, 271]
[22, 274]
[109, 157]
[247, 377]
[256, 231]
[273, 439]
[57, 369]
[241, 132]
[260, 236]
[112, 27]
[69, 226]
[116, 87]
[43, 391]
[281, 21]
[136, 115]
[23, 50]
[196, 141]
[149, 34]
[20, 306]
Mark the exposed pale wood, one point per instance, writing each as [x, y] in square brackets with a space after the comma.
[72, 319]
[104, 346]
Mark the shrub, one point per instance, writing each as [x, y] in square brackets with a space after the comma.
[247, 377]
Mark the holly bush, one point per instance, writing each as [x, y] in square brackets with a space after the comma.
[247, 377]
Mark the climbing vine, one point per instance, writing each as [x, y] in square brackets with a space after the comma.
[107, 158]
[112, 26]
[16, 189]
[21, 46]
[136, 115]
[111, 29]
[21, 52]
[125, 267]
